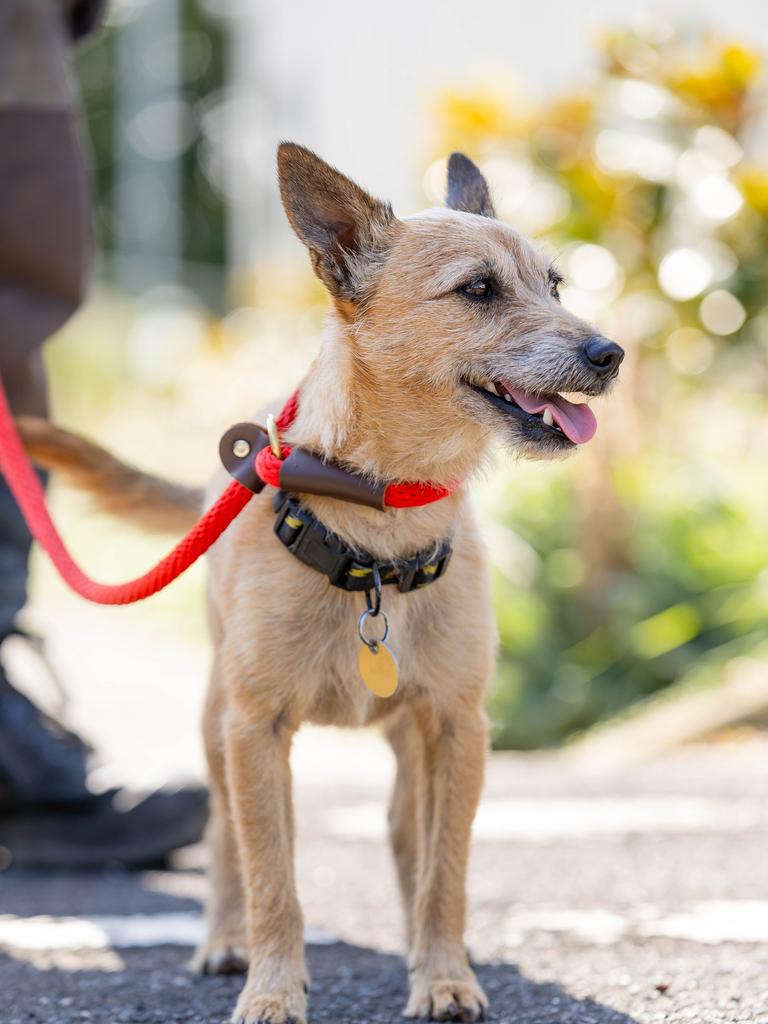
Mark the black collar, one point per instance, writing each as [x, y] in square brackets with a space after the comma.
[346, 567]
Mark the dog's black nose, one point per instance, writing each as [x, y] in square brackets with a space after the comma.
[602, 355]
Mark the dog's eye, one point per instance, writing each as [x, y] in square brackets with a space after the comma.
[480, 288]
[555, 280]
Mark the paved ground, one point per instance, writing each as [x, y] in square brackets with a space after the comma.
[632, 898]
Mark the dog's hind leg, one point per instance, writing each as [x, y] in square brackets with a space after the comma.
[225, 950]
[404, 818]
[443, 985]
[258, 740]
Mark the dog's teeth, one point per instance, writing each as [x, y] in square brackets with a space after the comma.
[507, 398]
[548, 418]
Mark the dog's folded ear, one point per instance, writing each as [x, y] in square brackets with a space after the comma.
[467, 188]
[348, 232]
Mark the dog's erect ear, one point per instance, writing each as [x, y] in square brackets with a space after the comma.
[348, 233]
[467, 188]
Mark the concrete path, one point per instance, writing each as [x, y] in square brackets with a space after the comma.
[634, 895]
[629, 899]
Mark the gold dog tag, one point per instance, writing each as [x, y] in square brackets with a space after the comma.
[378, 667]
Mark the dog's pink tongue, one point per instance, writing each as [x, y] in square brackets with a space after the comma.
[577, 422]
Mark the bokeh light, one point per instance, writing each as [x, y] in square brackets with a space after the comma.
[690, 351]
[684, 273]
[722, 313]
[716, 197]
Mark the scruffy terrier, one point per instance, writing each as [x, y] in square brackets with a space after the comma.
[446, 330]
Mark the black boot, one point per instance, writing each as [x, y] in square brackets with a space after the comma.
[41, 762]
[48, 816]
[104, 832]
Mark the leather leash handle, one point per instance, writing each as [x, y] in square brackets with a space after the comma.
[302, 472]
[299, 472]
[238, 449]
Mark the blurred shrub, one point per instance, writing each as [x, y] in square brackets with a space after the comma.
[692, 585]
[645, 555]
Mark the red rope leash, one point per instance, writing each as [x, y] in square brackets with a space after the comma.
[29, 494]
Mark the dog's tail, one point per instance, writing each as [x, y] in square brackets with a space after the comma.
[117, 488]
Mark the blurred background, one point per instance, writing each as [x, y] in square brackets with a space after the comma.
[631, 582]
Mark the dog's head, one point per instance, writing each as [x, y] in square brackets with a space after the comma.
[453, 318]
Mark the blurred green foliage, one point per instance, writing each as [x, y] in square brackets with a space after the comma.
[692, 587]
[644, 558]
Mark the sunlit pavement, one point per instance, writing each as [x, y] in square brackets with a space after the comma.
[639, 895]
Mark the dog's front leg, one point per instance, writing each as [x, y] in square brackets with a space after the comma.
[443, 985]
[258, 770]
[224, 950]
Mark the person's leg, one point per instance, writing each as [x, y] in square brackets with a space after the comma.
[25, 384]
[44, 231]
[40, 761]
[15, 543]
[48, 816]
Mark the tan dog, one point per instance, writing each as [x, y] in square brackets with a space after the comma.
[446, 330]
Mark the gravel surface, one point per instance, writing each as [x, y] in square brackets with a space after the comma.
[666, 982]
[636, 898]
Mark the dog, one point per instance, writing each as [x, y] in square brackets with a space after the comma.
[446, 331]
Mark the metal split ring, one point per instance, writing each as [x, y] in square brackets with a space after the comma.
[372, 643]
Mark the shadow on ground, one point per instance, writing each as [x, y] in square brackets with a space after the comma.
[350, 985]
[27, 893]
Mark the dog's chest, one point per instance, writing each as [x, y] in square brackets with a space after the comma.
[324, 665]
[293, 640]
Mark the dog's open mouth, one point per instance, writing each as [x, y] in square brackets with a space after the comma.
[573, 421]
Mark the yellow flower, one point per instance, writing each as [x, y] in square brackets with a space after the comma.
[721, 77]
[754, 184]
[472, 119]
[572, 112]
[741, 66]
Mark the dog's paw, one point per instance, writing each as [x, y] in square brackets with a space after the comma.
[271, 1007]
[221, 956]
[459, 998]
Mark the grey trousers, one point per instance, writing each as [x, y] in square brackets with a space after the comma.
[26, 386]
[14, 554]
[44, 224]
